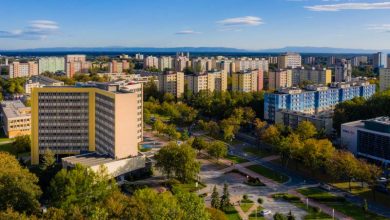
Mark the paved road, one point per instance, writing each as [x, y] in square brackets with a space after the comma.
[298, 181]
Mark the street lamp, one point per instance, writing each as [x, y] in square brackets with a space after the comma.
[307, 203]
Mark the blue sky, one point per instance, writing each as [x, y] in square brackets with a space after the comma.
[248, 24]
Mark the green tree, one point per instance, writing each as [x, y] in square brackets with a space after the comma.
[289, 147]
[271, 135]
[18, 187]
[279, 216]
[225, 199]
[22, 144]
[216, 214]
[178, 160]
[81, 188]
[48, 160]
[217, 149]
[215, 203]
[306, 130]
[199, 144]
[344, 165]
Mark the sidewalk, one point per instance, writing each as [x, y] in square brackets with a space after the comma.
[324, 208]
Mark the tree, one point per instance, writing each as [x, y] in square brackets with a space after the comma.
[290, 216]
[306, 130]
[81, 188]
[178, 160]
[279, 216]
[22, 144]
[289, 148]
[148, 204]
[170, 130]
[271, 135]
[199, 144]
[48, 160]
[225, 199]
[344, 165]
[10, 214]
[216, 214]
[217, 149]
[215, 203]
[317, 153]
[18, 187]
[168, 97]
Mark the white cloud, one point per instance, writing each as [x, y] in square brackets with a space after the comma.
[379, 27]
[187, 32]
[350, 6]
[37, 29]
[241, 21]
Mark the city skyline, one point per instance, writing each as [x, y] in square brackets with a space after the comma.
[245, 24]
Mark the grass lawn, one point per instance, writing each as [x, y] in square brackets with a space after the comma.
[232, 214]
[189, 187]
[257, 152]
[7, 148]
[255, 215]
[312, 213]
[345, 207]
[246, 204]
[236, 159]
[365, 192]
[271, 174]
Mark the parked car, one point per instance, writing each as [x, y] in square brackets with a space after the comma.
[265, 212]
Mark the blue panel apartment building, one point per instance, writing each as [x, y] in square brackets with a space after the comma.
[314, 98]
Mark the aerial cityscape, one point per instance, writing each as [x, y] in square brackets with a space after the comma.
[195, 110]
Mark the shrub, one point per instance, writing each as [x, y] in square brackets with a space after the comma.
[260, 200]
[316, 209]
[245, 197]
[286, 196]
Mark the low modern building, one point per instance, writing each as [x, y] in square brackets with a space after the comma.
[322, 121]
[368, 138]
[105, 118]
[15, 118]
[40, 82]
[384, 79]
[314, 99]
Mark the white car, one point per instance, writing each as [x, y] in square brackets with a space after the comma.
[265, 212]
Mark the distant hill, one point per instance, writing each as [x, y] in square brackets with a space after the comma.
[310, 50]
[321, 50]
[134, 49]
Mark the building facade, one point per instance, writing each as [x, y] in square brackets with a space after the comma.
[379, 60]
[39, 82]
[289, 60]
[247, 81]
[76, 63]
[343, 71]
[51, 64]
[279, 79]
[314, 99]
[104, 118]
[384, 79]
[172, 82]
[17, 69]
[368, 138]
[15, 118]
[210, 81]
[311, 76]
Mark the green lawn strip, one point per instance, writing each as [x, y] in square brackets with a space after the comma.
[271, 174]
[255, 215]
[236, 159]
[232, 214]
[365, 192]
[312, 212]
[189, 187]
[257, 152]
[246, 204]
[354, 211]
[339, 204]
[7, 148]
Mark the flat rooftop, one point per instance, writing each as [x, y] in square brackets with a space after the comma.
[90, 159]
[15, 109]
[43, 80]
[385, 120]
